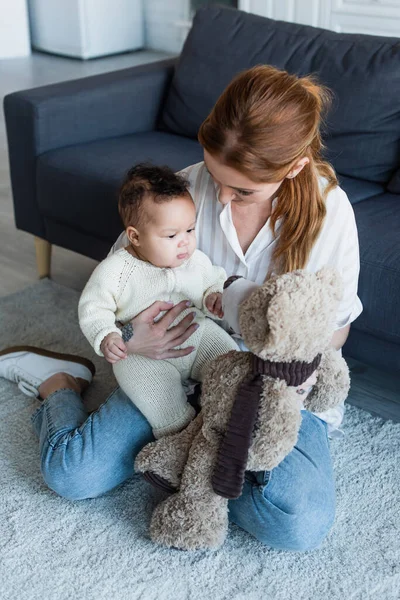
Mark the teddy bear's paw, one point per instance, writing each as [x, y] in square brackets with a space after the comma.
[167, 457]
[182, 524]
[158, 462]
[159, 482]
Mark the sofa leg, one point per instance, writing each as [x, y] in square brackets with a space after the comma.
[43, 257]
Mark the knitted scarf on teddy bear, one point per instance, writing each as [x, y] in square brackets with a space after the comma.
[228, 476]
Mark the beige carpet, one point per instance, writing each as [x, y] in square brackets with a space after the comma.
[52, 549]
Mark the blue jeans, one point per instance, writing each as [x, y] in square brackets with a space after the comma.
[83, 456]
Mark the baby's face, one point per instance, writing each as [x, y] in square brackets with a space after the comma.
[168, 237]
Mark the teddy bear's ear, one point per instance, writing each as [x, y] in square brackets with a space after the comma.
[331, 280]
[291, 316]
[253, 318]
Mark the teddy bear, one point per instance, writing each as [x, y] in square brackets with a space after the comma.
[250, 409]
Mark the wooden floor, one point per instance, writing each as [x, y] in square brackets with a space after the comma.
[372, 390]
[17, 255]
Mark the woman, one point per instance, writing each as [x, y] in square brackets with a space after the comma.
[266, 202]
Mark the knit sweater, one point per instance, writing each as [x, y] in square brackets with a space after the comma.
[122, 286]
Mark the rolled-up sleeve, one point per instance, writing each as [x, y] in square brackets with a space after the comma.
[348, 265]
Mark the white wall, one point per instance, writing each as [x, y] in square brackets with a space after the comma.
[307, 12]
[166, 21]
[14, 29]
[376, 17]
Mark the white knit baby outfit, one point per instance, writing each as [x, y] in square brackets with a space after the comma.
[121, 287]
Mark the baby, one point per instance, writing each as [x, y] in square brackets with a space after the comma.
[160, 263]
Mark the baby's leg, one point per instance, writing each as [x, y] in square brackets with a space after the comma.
[155, 387]
[214, 342]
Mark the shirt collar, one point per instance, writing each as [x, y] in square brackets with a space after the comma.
[263, 239]
[227, 226]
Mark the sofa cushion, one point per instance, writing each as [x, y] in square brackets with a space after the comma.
[363, 136]
[373, 351]
[86, 178]
[378, 223]
[394, 183]
[358, 190]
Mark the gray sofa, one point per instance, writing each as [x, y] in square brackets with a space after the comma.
[71, 143]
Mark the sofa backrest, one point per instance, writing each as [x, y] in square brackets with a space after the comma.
[363, 126]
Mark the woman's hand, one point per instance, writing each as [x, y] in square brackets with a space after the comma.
[155, 340]
[113, 348]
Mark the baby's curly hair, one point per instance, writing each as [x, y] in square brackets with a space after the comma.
[143, 181]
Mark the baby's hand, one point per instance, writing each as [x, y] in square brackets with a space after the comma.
[113, 348]
[214, 304]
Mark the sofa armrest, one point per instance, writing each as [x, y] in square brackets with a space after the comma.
[74, 112]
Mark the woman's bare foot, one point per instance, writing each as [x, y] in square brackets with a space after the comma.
[62, 381]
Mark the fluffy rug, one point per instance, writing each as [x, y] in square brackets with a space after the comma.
[99, 549]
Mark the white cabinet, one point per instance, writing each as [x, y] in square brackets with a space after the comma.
[14, 29]
[376, 17]
[86, 28]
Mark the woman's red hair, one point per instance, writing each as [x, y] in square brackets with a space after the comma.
[261, 125]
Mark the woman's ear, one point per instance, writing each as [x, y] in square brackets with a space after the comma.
[133, 235]
[299, 166]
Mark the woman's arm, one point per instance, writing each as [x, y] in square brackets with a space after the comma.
[340, 336]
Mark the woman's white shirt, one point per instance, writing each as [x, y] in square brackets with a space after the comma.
[337, 246]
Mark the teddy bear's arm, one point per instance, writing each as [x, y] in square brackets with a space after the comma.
[195, 517]
[277, 426]
[221, 380]
[167, 456]
[333, 382]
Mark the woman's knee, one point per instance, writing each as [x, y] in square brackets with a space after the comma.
[299, 532]
[79, 465]
[301, 523]
[298, 496]
[294, 519]
[71, 484]
[74, 477]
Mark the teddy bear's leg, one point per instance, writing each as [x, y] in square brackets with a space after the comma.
[277, 427]
[333, 382]
[166, 457]
[195, 517]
